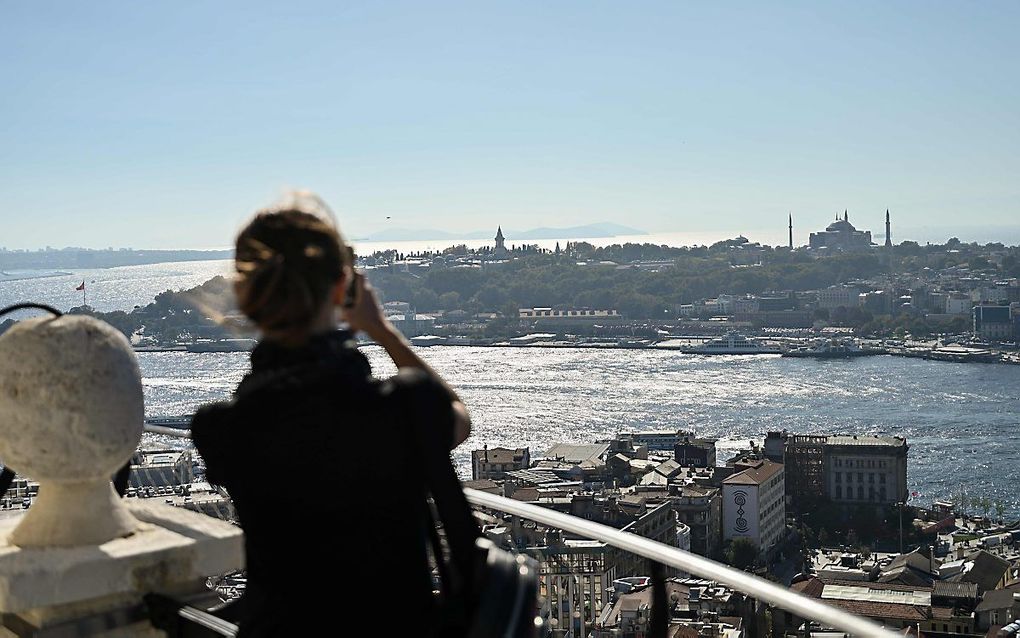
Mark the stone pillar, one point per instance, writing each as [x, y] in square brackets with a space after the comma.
[70, 416]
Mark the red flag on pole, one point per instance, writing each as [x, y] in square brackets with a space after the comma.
[82, 286]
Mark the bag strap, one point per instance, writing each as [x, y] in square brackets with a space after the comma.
[452, 506]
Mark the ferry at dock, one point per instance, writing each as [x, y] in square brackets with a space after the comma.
[832, 349]
[732, 343]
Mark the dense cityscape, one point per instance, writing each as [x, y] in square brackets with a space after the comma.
[644, 295]
[827, 514]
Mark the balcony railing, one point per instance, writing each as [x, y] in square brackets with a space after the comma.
[748, 584]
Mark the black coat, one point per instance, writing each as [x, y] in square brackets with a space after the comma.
[322, 465]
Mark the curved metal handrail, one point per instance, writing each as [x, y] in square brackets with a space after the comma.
[167, 431]
[749, 584]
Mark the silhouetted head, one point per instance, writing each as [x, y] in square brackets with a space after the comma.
[291, 261]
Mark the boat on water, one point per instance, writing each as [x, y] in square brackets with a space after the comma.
[732, 343]
[832, 349]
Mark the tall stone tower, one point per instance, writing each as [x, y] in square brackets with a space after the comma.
[500, 250]
[791, 231]
[888, 235]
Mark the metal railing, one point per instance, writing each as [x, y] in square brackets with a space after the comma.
[750, 585]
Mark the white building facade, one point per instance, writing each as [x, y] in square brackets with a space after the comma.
[754, 505]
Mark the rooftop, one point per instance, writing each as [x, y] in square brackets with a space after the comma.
[760, 472]
[873, 440]
[498, 455]
[576, 453]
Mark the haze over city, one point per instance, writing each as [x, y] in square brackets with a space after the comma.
[164, 126]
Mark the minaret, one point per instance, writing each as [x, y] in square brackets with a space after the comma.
[888, 235]
[791, 231]
[845, 216]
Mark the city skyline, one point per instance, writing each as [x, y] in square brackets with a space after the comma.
[165, 128]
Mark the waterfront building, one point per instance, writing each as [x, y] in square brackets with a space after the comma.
[805, 467]
[866, 469]
[657, 440]
[840, 235]
[993, 323]
[849, 469]
[745, 305]
[412, 324]
[777, 318]
[695, 452]
[754, 505]
[958, 303]
[567, 315]
[839, 296]
[493, 464]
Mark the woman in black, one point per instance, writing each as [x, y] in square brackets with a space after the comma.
[321, 458]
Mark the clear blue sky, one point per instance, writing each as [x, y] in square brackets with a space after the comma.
[152, 124]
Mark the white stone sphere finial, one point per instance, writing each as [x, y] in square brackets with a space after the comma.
[71, 415]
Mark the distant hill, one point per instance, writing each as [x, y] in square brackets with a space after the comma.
[88, 258]
[593, 231]
[604, 229]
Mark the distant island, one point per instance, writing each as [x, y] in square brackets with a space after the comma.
[587, 231]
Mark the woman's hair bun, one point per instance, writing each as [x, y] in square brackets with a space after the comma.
[288, 258]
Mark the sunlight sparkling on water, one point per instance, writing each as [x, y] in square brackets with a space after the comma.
[961, 421]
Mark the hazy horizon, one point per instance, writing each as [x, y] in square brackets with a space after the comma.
[1007, 235]
[166, 126]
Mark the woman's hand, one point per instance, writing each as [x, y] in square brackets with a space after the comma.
[366, 314]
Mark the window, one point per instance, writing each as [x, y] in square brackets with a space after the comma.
[860, 492]
[839, 477]
[871, 477]
[881, 478]
[860, 477]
